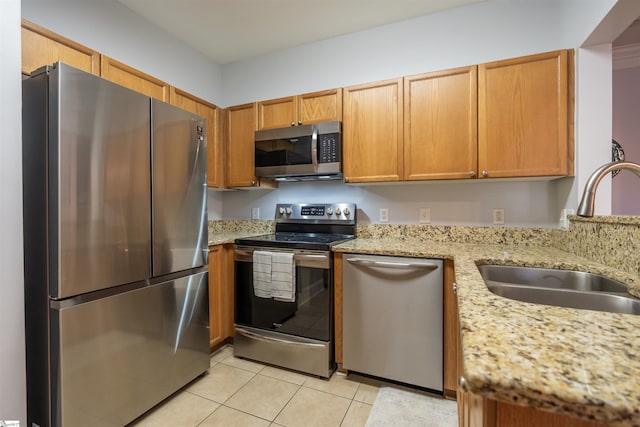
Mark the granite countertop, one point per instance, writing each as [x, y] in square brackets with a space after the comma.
[581, 363]
[229, 237]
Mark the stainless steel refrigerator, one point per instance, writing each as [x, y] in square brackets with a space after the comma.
[115, 226]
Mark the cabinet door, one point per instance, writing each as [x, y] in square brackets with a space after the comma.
[440, 125]
[372, 132]
[43, 47]
[134, 79]
[229, 289]
[217, 309]
[320, 106]
[241, 127]
[277, 113]
[210, 112]
[523, 116]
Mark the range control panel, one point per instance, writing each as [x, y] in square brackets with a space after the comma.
[335, 212]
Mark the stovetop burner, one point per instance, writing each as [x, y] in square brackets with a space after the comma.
[308, 226]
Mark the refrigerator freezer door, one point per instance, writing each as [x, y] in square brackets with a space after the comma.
[123, 354]
[179, 189]
[99, 183]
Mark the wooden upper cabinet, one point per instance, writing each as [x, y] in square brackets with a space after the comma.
[301, 109]
[212, 114]
[440, 125]
[372, 132]
[277, 113]
[43, 47]
[324, 106]
[525, 116]
[127, 76]
[241, 127]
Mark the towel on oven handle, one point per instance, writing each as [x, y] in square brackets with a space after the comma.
[283, 276]
[262, 274]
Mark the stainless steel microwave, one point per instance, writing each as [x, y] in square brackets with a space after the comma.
[300, 153]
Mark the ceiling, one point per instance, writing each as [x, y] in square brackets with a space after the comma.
[232, 30]
[630, 36]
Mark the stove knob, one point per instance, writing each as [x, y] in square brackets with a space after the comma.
[346, 212]
[329, 211]
[281, 211]
[288, 211]
[338, 212]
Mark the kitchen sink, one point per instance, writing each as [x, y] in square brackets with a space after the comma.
[563, 288]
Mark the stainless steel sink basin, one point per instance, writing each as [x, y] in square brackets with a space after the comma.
[563, 288]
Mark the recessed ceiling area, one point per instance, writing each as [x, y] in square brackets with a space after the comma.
[232, 30]
[630, 36]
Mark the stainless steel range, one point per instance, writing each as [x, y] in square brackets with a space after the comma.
[284, 287]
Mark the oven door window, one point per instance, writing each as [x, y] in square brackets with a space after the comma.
[284, 152]
[309, 316]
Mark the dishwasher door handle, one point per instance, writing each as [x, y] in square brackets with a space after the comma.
[394, 265]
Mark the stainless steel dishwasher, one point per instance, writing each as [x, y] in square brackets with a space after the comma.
[392, 318]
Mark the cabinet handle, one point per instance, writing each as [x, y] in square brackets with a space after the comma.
[293, 123]
[299, 122]
[472, 174]
[485, 174]
[462, 382]
[346, 179]
[455, 288]
[253, 183]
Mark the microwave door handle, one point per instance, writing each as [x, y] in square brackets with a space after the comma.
[314, 148]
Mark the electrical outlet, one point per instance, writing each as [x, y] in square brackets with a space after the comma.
[255, 213]
[498, 216]
[384, 215]
[425, 215]
[564, 221]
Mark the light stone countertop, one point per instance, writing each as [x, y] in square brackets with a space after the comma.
[229, 237]
[578, 362]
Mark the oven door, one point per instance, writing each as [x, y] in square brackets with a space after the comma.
[309, 316]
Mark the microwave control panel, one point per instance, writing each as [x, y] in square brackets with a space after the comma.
[329, 148]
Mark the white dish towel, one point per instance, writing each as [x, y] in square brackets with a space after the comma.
[262, 274]
[283, 276]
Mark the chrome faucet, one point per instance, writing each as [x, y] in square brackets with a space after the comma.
[587, 203]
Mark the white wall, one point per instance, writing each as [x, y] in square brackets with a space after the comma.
[481, 32]
[12, 362]
[626, 130]
[525, 204]
[114, 30]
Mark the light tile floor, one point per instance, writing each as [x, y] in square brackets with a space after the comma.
[239, 392]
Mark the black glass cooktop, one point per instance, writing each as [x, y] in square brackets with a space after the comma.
[320, 241]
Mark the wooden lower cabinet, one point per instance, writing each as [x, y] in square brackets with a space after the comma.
[221, 295]
[478, 411]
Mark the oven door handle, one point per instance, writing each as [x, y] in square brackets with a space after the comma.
[311, 260]
[394, 265]
[259, 337]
